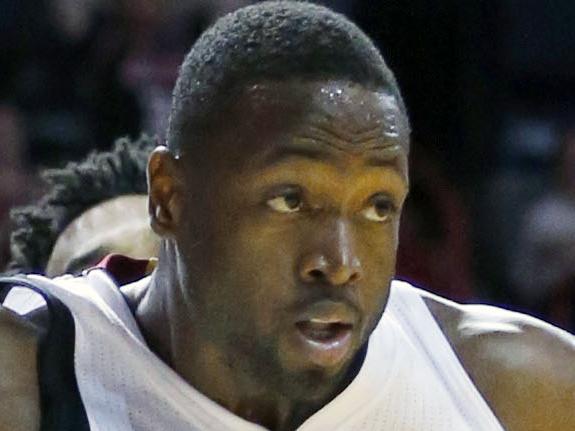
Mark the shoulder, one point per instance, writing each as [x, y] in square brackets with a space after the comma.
[524, 367]
[19, 394]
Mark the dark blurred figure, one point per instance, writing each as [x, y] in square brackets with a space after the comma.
[160, 32]
[543, 272]
[84, 72]
[434, 248]
[64, 76]
[16, 184]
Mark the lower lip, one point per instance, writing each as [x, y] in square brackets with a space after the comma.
[326, 351]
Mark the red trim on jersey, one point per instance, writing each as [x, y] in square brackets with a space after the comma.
[124, 269]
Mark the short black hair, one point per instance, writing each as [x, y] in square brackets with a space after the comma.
[274, 40]
[72, 190]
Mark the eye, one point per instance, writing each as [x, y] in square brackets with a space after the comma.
[381, 209]
[289, 201]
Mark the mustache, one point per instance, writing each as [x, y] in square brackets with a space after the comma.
[310, 296]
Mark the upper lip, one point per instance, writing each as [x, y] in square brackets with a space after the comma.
[328, 312]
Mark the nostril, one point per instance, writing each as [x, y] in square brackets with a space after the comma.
[316, 274]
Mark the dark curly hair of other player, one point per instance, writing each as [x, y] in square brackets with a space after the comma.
[72, 190]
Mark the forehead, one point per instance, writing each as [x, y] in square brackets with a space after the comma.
[345, 115]
[266, 116]
[350, 106]
[119, 225]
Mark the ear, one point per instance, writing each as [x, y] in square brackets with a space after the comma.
[164, 186]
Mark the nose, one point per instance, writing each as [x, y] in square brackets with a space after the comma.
[334, 260]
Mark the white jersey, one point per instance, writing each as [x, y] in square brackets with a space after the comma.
[411, 380]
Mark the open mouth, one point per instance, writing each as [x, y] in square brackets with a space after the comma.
[324, 342]
[323, 332]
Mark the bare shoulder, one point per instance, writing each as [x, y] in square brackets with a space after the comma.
[19, 395]
[524, 367]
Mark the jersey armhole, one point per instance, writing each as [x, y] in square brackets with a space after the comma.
[60, 402]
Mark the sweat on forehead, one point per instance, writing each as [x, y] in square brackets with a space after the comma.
[347, 106]
[271, 41]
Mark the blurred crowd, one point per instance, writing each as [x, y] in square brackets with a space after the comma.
[77, 74]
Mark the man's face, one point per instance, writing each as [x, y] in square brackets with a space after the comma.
[291, 228]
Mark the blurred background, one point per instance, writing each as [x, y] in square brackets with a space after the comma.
[490, 87]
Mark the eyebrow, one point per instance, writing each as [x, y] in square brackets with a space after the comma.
[84, 260]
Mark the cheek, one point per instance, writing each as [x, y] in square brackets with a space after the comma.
[265, 254]
[378, 247]
[254, 266]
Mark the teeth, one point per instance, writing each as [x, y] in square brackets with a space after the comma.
[321, 329]
[322, 321]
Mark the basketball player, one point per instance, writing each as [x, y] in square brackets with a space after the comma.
[92, 208]
[273, 304]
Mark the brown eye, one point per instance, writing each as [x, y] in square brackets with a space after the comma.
[380, 209]
[288, 202]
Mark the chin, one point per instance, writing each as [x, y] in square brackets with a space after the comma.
[306, 379]
[303, 369]
[311, 385]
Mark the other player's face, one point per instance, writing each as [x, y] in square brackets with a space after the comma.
[119, 225]
[292, 226]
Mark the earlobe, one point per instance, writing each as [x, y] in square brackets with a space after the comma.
[163, 191]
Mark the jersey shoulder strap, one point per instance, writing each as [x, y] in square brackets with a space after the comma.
[60, 402]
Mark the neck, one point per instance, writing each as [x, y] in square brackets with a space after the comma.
[166, 319]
